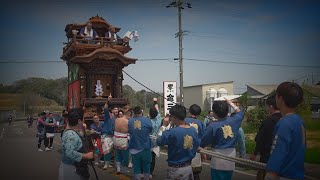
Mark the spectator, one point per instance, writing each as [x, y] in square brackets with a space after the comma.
[63, 121]
[209, 119]
[74, 154]
[49, 128]
[264, 135]
[289, 136]
[41, 133]
[241, 143]
[29, 120]
[120, 114]
[97, 126]
[10, 119]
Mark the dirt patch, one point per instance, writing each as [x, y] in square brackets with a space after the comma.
[313, 139]
[251, 136]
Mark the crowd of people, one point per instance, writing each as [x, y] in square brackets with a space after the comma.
[131, 137]
[45, 131]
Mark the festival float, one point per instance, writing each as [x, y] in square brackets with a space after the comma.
[95, 67]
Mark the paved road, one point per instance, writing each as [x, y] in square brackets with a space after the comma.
[21, 160]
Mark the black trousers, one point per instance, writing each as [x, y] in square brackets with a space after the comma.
[153, 162]
[45, 139]
[50, 142]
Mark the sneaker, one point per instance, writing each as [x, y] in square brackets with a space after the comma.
[40, 150]
[124, 170]
[118, 167]
[150, 176]
[130, 165]
[107, 165]
[51, 147]
[96, 163]
[47, 149]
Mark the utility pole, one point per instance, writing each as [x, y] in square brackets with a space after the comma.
[180, 5]
[145, 100]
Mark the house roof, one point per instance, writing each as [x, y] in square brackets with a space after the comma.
[209, 84]
[263, 89]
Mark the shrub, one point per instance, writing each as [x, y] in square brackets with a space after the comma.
[256, 116]
[250, 145]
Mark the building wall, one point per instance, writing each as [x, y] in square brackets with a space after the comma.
[228, 86]
[197, 94]
[192, 95]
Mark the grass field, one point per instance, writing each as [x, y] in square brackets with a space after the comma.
[34, 103]
[313, 139]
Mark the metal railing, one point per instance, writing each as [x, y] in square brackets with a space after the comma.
[246, 162]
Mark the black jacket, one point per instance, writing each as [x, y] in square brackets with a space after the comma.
[264, 137]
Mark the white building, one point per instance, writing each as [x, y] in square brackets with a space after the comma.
[198, 94]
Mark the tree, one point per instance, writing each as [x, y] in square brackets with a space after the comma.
[256, 116]
[304, 109]
[244, 100]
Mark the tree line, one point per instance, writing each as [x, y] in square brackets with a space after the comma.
[56, 90]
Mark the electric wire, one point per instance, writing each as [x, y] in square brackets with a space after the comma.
[187, 59]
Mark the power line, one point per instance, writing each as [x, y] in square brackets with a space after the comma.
[142, 84]
[51, 61]
[248, 63]
[188, 59]
[161, 59]
[28, 62]
[156, 92]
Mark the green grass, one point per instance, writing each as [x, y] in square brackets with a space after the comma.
[312, 124]
[249, 128]
[312, 155]
[250, 145]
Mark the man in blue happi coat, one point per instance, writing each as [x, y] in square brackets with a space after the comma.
[183, 143]
[140, 144]
[195, 111]
[223, 135]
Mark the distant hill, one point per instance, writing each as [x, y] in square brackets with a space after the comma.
[55, 89]
[31, 103]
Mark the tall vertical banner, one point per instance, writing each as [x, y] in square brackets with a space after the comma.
[74, 95]
[170, 94]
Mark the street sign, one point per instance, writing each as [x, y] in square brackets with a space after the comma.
[170, 94]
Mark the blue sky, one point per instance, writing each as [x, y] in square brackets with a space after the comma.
[268, 32]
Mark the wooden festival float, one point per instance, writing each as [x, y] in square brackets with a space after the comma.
[95, 67]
